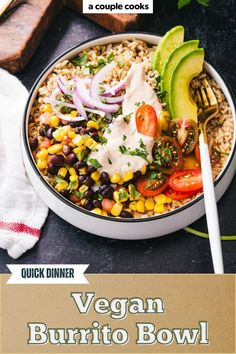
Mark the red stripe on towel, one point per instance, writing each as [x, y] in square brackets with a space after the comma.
[19, 228]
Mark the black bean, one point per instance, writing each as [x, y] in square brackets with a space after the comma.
[89, 181]
[57, 160]
[91, 130]
[104, 186]
[49, 132]
[88, 205]
[89, 194]
[65, 193]
[42, 130]
[95, 137]
[74, 124]
[82, 131]
[34, 144]
[79, 164]
[52, 169]
[91, 169]
[82, 178]
[97, 204]
[105, 177]
[137, 174]
[108, 192]
[66, 149]
[126, 214]
[71, 159]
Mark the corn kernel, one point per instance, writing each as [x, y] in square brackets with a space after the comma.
[121, 181]
[160, 199]
[143, 199]
[74, 178]
[83, 188]
[79, 149]
[74, 186]
[41, 164]
[95, 176]
[54, 148]
[104, 213]
[140, 206]
[91, 144]
[164, 120]
[54, 121]
[71, 135]
[43, 154]
[149, 204]
[62, 172]
[128, 176]
[159, 208]
[133, 206]
[61, 185]
[143, 169]
[83, 171]
[168, 200]
[116, 196]
[115, 178]
[58, 135]
[72, 171]
[82, 202]
[116, 209]
[78, 140]
[46, 108]
[73, 114]
[97, 211]
[92, 124]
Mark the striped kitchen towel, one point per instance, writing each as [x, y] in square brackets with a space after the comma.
[22, 213]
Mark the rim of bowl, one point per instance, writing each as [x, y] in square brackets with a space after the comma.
[78, 208]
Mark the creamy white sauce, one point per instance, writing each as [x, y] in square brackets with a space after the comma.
[123, 134]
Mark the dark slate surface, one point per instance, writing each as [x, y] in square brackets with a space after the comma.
[176, 253]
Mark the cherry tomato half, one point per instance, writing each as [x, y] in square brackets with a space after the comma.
[177, 195]
[186, 181]
[146, 121]
[167, 155]
[185, 132]
[197, 153]
[213, 151]
[151, 186]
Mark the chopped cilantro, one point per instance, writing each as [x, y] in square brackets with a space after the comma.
[161, 94]
[122, 195]
[80, 60]
[100, 197]
[59, 179]
[72, 185]
[134, 194]
[79, 194]
[137, 104]
[110, 57]
[94, 162]
[124, 137]
[110, 162]
[102, 140]
[102, 89]
[127, 118]
[108, 130]
[137, 152]
[128, 164]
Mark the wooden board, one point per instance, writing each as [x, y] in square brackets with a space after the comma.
[23, 30]
[112, 22]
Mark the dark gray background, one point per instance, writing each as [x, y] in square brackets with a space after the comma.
[176, 253]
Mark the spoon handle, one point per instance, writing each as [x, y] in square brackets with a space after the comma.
[211, 207]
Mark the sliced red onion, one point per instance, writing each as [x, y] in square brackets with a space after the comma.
[96, 111]
[65, 104]
[62, 84]
[91, 102]
[78, 103]
[110, 100]
[115, 89]
[108, 90]
[99, 78]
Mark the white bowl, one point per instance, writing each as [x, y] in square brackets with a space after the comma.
[128, 229]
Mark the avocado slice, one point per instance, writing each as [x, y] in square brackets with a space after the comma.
[166, 45]
[181, 103]
[170, 64]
